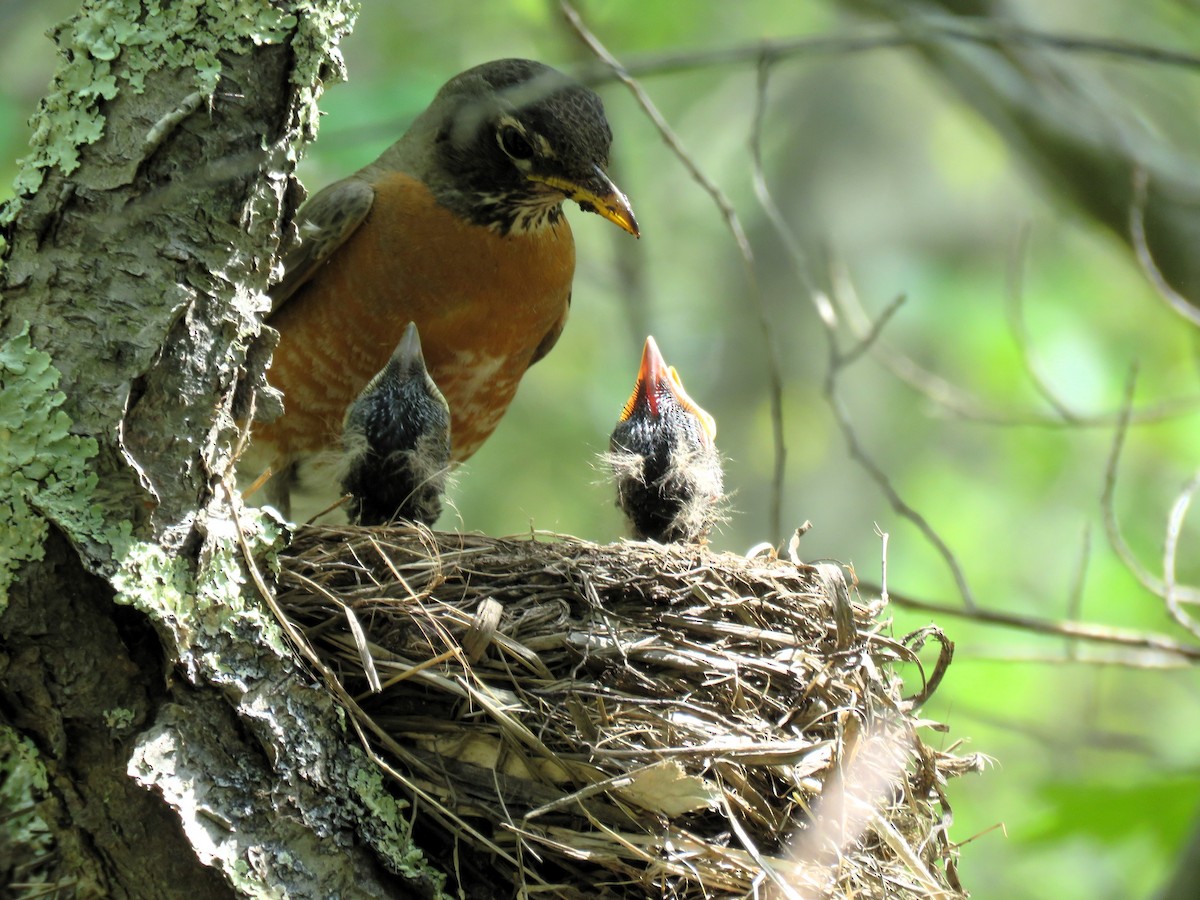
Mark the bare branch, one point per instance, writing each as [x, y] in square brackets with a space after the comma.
[838, 360]
[1175, 522]
[1145, 257]
[1015, 308]
[870, 336]
[1077, 133]
[1102, 634]
[999, 34]
[1144, 660]
[762, 191]
[964, 405]
[1112, 528]
[991, 33]
[1075, 597]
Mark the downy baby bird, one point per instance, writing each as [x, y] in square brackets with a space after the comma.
[396, 440]
[663, 457]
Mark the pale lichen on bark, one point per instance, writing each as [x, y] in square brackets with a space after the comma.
[38, 458]
[228, 642]
[186, 36]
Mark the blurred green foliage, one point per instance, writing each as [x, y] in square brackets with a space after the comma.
[880, 168]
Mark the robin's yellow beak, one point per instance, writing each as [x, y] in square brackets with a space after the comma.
[598, 194]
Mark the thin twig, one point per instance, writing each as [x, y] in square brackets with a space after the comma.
[809, 46]
[1143, 660]
[992, 33]
[838, 360]
[1075, 594]
[1112, 528]
[1175, 520]
[1145, 257]
[869, 338]
[963, 405]
[795, 252]
[883, 562]
[1014, 306]
[1101, 634]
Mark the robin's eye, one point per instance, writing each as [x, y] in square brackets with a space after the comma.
[514, 143]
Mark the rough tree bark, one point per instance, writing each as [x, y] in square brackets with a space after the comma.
[185, 752]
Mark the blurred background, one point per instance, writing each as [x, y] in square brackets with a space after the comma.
[971, 181]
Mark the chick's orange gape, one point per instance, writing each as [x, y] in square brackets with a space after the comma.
[458, 227]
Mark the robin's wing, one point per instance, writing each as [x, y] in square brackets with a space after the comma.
[551, 338]
[324, 224]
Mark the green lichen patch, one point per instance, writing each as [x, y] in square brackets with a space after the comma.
[205, 611]
[41, 462]
[386, 820]
[148, 578]
[111, 45]
[120, 719]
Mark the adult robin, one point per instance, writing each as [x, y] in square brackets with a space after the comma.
[664, 457]
[458, 227]
[396, 441]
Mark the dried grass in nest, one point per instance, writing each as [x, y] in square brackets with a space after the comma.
[577, 719]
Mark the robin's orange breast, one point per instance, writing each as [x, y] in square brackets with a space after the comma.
[482, 302]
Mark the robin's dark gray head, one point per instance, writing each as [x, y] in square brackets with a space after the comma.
[514, 138]
[663, 456]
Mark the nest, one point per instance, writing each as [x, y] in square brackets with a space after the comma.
[572, 719]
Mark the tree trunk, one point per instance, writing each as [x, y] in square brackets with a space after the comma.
[185, 752]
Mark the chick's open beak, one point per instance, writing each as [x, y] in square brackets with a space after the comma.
[597, 194]
[653, 375]
[656, 380]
